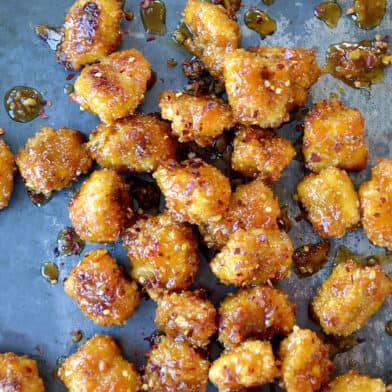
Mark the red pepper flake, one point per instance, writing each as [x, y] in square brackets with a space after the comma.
[315, 157]
[306, 143]
[125, 32]
[75, 333]
[383, 199]
[70, 76]
[280, 66]
[129, 15]
[48, 104]
[43, 114]
[162, 79]
[150, 38]
[299, 127]
[71, 97]
[39, 350]
[319, 9]
[338, 147]
[376, 214]
[298, 218]
[237, 251]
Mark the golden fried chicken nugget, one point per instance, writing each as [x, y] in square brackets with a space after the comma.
[354, 382]
[252, 206]
[101, 290]
[137, 143]
[302, 66]
[375, 197]
[330, 201]
[100, 209]
[114, 87]
[214, 33]
[251, 364]
[334, 136]
[91, 31]
[175, 367]
[260, 312]
[52, 160]
[98, 366]
[254, 256]
[195, 191]
[19, 374]
[258, 89]
[195, 118]
[163, 253]
[260, 153]
[305, 361]
[7, 171]
[350, 296]
[187, 316]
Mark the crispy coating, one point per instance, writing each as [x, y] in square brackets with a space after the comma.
[301, 64]
[251, 364]
[163, 253]
[334, 136]
[114, 87]
[91, 31]
[350, 296]
[305, 361]
[19, 374]
[100, 209]
[101, 290]
[195, 191]
[52, 160]
[137, 143]
[214, 33]
[7, 171]
[258, 89]
[187, 316]
[259, 152]
[354, 382]
[254, 256]
[98, 366]
[175, 367]
[330, 201]
[195, 118]
[375, 197]
[252, 206]
[260, 312]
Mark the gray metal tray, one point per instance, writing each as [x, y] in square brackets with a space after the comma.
[37, 318]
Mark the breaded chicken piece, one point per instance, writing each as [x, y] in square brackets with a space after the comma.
[195, 191]
[214, 33]
[258, 89]
[98, 366]
[253, 257]
[52, 160]
[101, 290]
[196, 118]
[334, 136]
[350, 296]
[330, 201]
[354, 382]
[91, 31]
[187, 316]
[375, 197]
[114, 87]
[163, 253]
[252, 206]
[305, 363]
[301, 64]
[251, 364]
[137, 143]
[7, 172]
[100, 209]
[175, 367]
[19, 374]
[260, 312]
[261, 153]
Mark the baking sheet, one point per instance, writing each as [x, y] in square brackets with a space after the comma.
[37, 318]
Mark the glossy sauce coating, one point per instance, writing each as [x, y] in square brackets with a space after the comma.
[7, 171]
[137, 143]
[91, 31]
[354, 382]
[350, 296]
[53, 159]
[369, 13]
[101, 289]
[98, 366]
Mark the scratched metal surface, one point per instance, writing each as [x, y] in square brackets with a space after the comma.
[35, 314]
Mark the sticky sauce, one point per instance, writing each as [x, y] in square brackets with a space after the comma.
[342, 344]
[68, 88]
[146, 196]
[260, 22]
[151, 82]
[309, 259]
[50, 272]
[329, 12]
[268, 2]
[51, 35]
[153, 17]
[284, 221]
[388, 327]
[22, 103]
[368, 14]
[358, 64]
[343, 254]
[181, 33]
[39, 199]
[68, 243]
[77, 335]
[232, 6]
